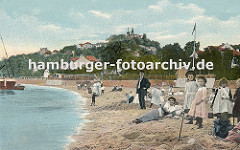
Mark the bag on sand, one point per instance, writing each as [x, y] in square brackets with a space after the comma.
[221, 128]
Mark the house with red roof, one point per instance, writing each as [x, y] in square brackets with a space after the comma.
[91, 58]
[84, 59]
[74, 58]
[224, 47]
[86, 45]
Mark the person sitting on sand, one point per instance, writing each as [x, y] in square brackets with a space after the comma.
[169, 109]
[120, 89]
[130, 98]
[114, 88]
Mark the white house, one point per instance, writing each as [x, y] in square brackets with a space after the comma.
[46, 73]
[227, 46]
[150, 49]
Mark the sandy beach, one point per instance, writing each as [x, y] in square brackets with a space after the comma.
[109, 127]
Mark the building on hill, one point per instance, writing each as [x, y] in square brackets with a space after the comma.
[48, 53]
[86, 45]
[55, 52]
[46, 74]
[89, 45]
[91, 58]
[100, 44]
[84, 59]
[136, 54]
[68, 53]
[224, 47]
[80, 46]
[152, 50]
[74, 58]
[43, 51]
[132, 34]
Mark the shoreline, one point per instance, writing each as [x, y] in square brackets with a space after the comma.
[108, 127]
[78, 128]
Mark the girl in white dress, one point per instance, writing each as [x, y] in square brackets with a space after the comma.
[190, 92]
[222, 102]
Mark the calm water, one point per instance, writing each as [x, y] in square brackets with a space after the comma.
[38, 118]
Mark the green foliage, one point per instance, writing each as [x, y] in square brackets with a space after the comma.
[189, 47]
[123, 47]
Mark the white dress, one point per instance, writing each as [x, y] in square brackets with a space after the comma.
[191, 89]
[173, 110]
[222, 101]
[157, 96]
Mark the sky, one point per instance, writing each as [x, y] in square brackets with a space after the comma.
[26, 26]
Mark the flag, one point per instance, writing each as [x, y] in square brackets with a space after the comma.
[194, 54]
[233, 63]
[194, 29]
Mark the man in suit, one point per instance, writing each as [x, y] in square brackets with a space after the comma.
[141, 89]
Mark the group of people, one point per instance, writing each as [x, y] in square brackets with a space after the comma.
[221, 100]
[195, 100]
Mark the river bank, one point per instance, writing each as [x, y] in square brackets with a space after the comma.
[109, 127]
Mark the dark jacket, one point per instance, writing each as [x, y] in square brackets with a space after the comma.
[236, 107]
[144, 84]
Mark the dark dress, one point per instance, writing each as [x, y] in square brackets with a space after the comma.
[236, 107]
[93, 98]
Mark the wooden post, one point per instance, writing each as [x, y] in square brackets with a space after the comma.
[180, 132]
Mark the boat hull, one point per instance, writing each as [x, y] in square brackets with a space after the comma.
[10, 85]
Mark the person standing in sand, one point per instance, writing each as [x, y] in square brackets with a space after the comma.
[236, 99]
[190, 92]
[198, 108]
[141, 89]
[93, 99]
[222, 103]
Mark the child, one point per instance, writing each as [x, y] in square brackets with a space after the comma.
[198, 108]
[93, 99]
[157, 96]
[212, 95]
[190, 92]
[236, 98]
[221, 104]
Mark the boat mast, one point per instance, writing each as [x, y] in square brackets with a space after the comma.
[7, 57]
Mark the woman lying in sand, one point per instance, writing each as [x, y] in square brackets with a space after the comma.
[169, 109]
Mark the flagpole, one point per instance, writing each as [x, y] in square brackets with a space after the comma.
[194, 47]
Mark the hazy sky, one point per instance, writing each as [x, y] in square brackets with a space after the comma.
[28, 25]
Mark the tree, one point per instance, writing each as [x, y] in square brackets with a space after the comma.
[189, 48]
[117, 47]
[144, 37]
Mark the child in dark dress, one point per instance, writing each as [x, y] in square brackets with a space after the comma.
[236, 98]
[93, 99]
